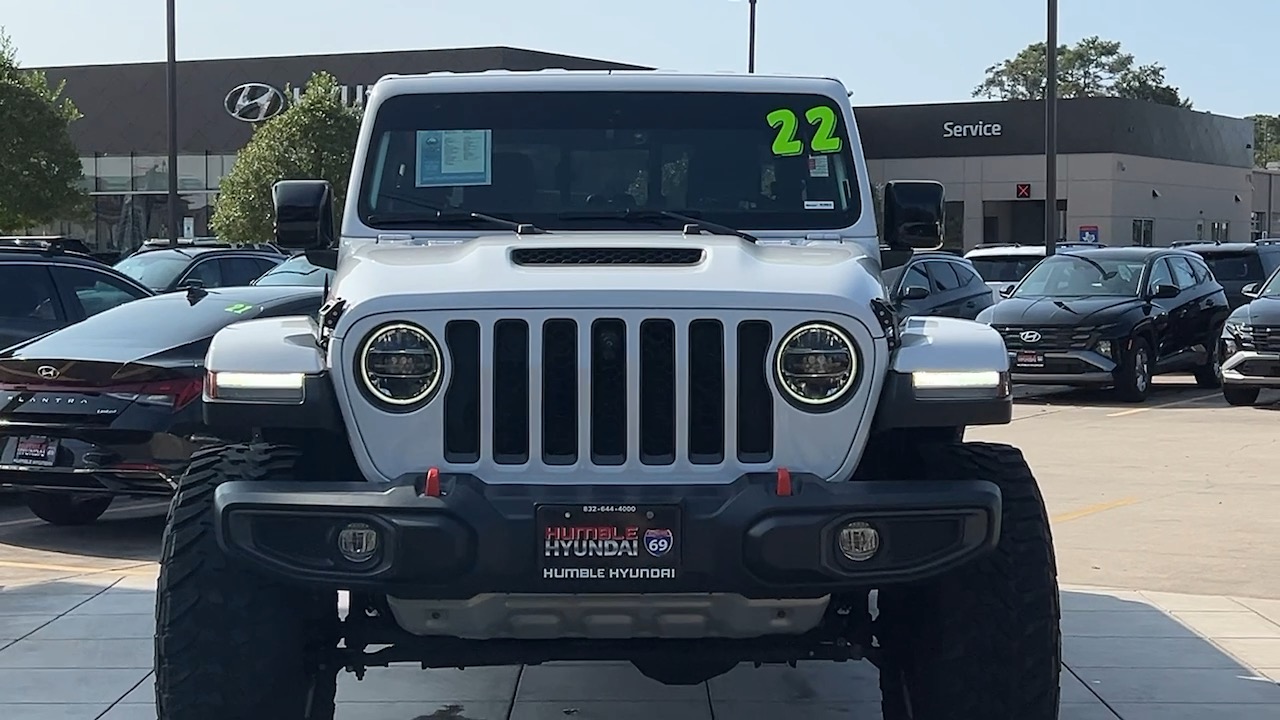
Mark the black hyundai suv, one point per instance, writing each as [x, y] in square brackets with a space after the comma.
[165, 268]
[1236, 265]
[1113, 316]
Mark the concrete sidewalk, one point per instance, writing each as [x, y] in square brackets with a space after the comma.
[79, 648]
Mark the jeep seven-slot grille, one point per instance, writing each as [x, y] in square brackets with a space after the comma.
[614, 411]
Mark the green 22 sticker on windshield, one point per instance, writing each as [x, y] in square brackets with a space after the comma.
[823, 120]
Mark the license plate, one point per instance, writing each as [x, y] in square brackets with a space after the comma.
[609, 543]
[1029, 360]
[36, 450]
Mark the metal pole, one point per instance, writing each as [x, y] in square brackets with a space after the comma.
[751, 42]
[171, 70]
[1051, 133]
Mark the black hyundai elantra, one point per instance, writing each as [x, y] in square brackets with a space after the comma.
[1113, 316]
[111, 406]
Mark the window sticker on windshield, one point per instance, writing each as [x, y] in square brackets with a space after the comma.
[823, 120]
[819, 166]
[819, 205]
[239, 308]
[448, 158]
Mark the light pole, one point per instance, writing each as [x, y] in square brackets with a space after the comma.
[751, 41]
[1051, 133]
[171, 72]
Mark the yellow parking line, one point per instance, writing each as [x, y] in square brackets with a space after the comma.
[1171, 403]
[16, 564]
[1092, 510]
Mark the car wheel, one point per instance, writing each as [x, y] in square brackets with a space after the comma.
[230, 643]
[1133, 380]
[1240, 395]
[985, 640]
[67, 508]
[1209, 375]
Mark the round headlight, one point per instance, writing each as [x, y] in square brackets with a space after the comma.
[400, 364]
[816, 364]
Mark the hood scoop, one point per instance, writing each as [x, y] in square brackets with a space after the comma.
[665, 256]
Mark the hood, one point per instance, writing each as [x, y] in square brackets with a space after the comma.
[604, 269]
[1061, 310]
[1262, 311]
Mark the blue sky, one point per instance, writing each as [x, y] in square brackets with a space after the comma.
[909, 51]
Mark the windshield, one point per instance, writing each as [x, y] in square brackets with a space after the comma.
[295, 271]
[1009, 268]
[154, 270]
[580, 160]
[1075, 276]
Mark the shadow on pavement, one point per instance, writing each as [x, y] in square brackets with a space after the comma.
[1164, 392]
[1126, 658]
[130, 533]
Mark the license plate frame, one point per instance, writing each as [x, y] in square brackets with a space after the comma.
[36, 450]
[1028, 359]
[622, 543]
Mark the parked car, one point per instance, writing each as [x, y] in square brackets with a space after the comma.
[1113, 316]
[1005, 264]
[1236, 265]
[204, 242]
[937, 283]
[297, 270]
[44, 288]
[111, 406]
[1250, 344]
[167, 269]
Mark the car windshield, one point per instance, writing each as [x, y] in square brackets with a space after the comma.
[295, 271]
[1004, 268]
[155, 270]
[1075, 276]
[610, 160]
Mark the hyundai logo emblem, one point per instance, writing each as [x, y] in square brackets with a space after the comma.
[1030, 336]
[48, 372]
[254, 102]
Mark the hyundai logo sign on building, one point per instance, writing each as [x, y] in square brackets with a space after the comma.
[254, 102]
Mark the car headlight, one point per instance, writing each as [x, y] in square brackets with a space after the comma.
[816, 364]
[1235, 329]
[400, 365]
[1104, 348]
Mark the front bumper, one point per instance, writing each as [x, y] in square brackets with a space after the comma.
[1252, 368]
[1065, 367]
[478, 538]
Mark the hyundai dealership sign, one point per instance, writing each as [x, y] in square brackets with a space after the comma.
[256, 102]
[977, 129]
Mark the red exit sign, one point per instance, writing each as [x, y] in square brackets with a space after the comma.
[1023, 191]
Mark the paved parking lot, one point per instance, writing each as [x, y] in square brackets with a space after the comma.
[1166, 524]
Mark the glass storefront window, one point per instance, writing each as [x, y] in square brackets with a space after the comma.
[113, 173]
[192, 172]
[150, 172]
[213, 172]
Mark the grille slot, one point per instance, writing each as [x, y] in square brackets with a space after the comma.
[1051, 338]
[640, 376]
[607, 256]
[1261, 338]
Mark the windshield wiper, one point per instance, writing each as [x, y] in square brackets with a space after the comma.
[651, 215]
[1101, 270]
[451, 215]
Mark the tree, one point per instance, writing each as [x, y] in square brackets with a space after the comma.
[315, 138]
[1266, 139]
[1092, 67]
[40, 170]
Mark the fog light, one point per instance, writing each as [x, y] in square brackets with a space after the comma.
[1104, 347]
[859, 541]
[358, 542]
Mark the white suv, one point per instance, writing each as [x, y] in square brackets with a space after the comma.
[1005, 264]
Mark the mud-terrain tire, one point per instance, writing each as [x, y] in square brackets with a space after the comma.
[1133, 377]
[1240, 395]
[67, 509]
[231, 644]
[985, 640]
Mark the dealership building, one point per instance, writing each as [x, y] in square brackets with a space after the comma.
[1128, 171]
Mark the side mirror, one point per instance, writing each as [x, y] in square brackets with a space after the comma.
[913, 214]
[1164, 292]
[915, 292]
[304, 214]
[1250, 290]
[1007, 291]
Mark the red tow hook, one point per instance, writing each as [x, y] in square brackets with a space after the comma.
[431, 487]
[784, 482]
